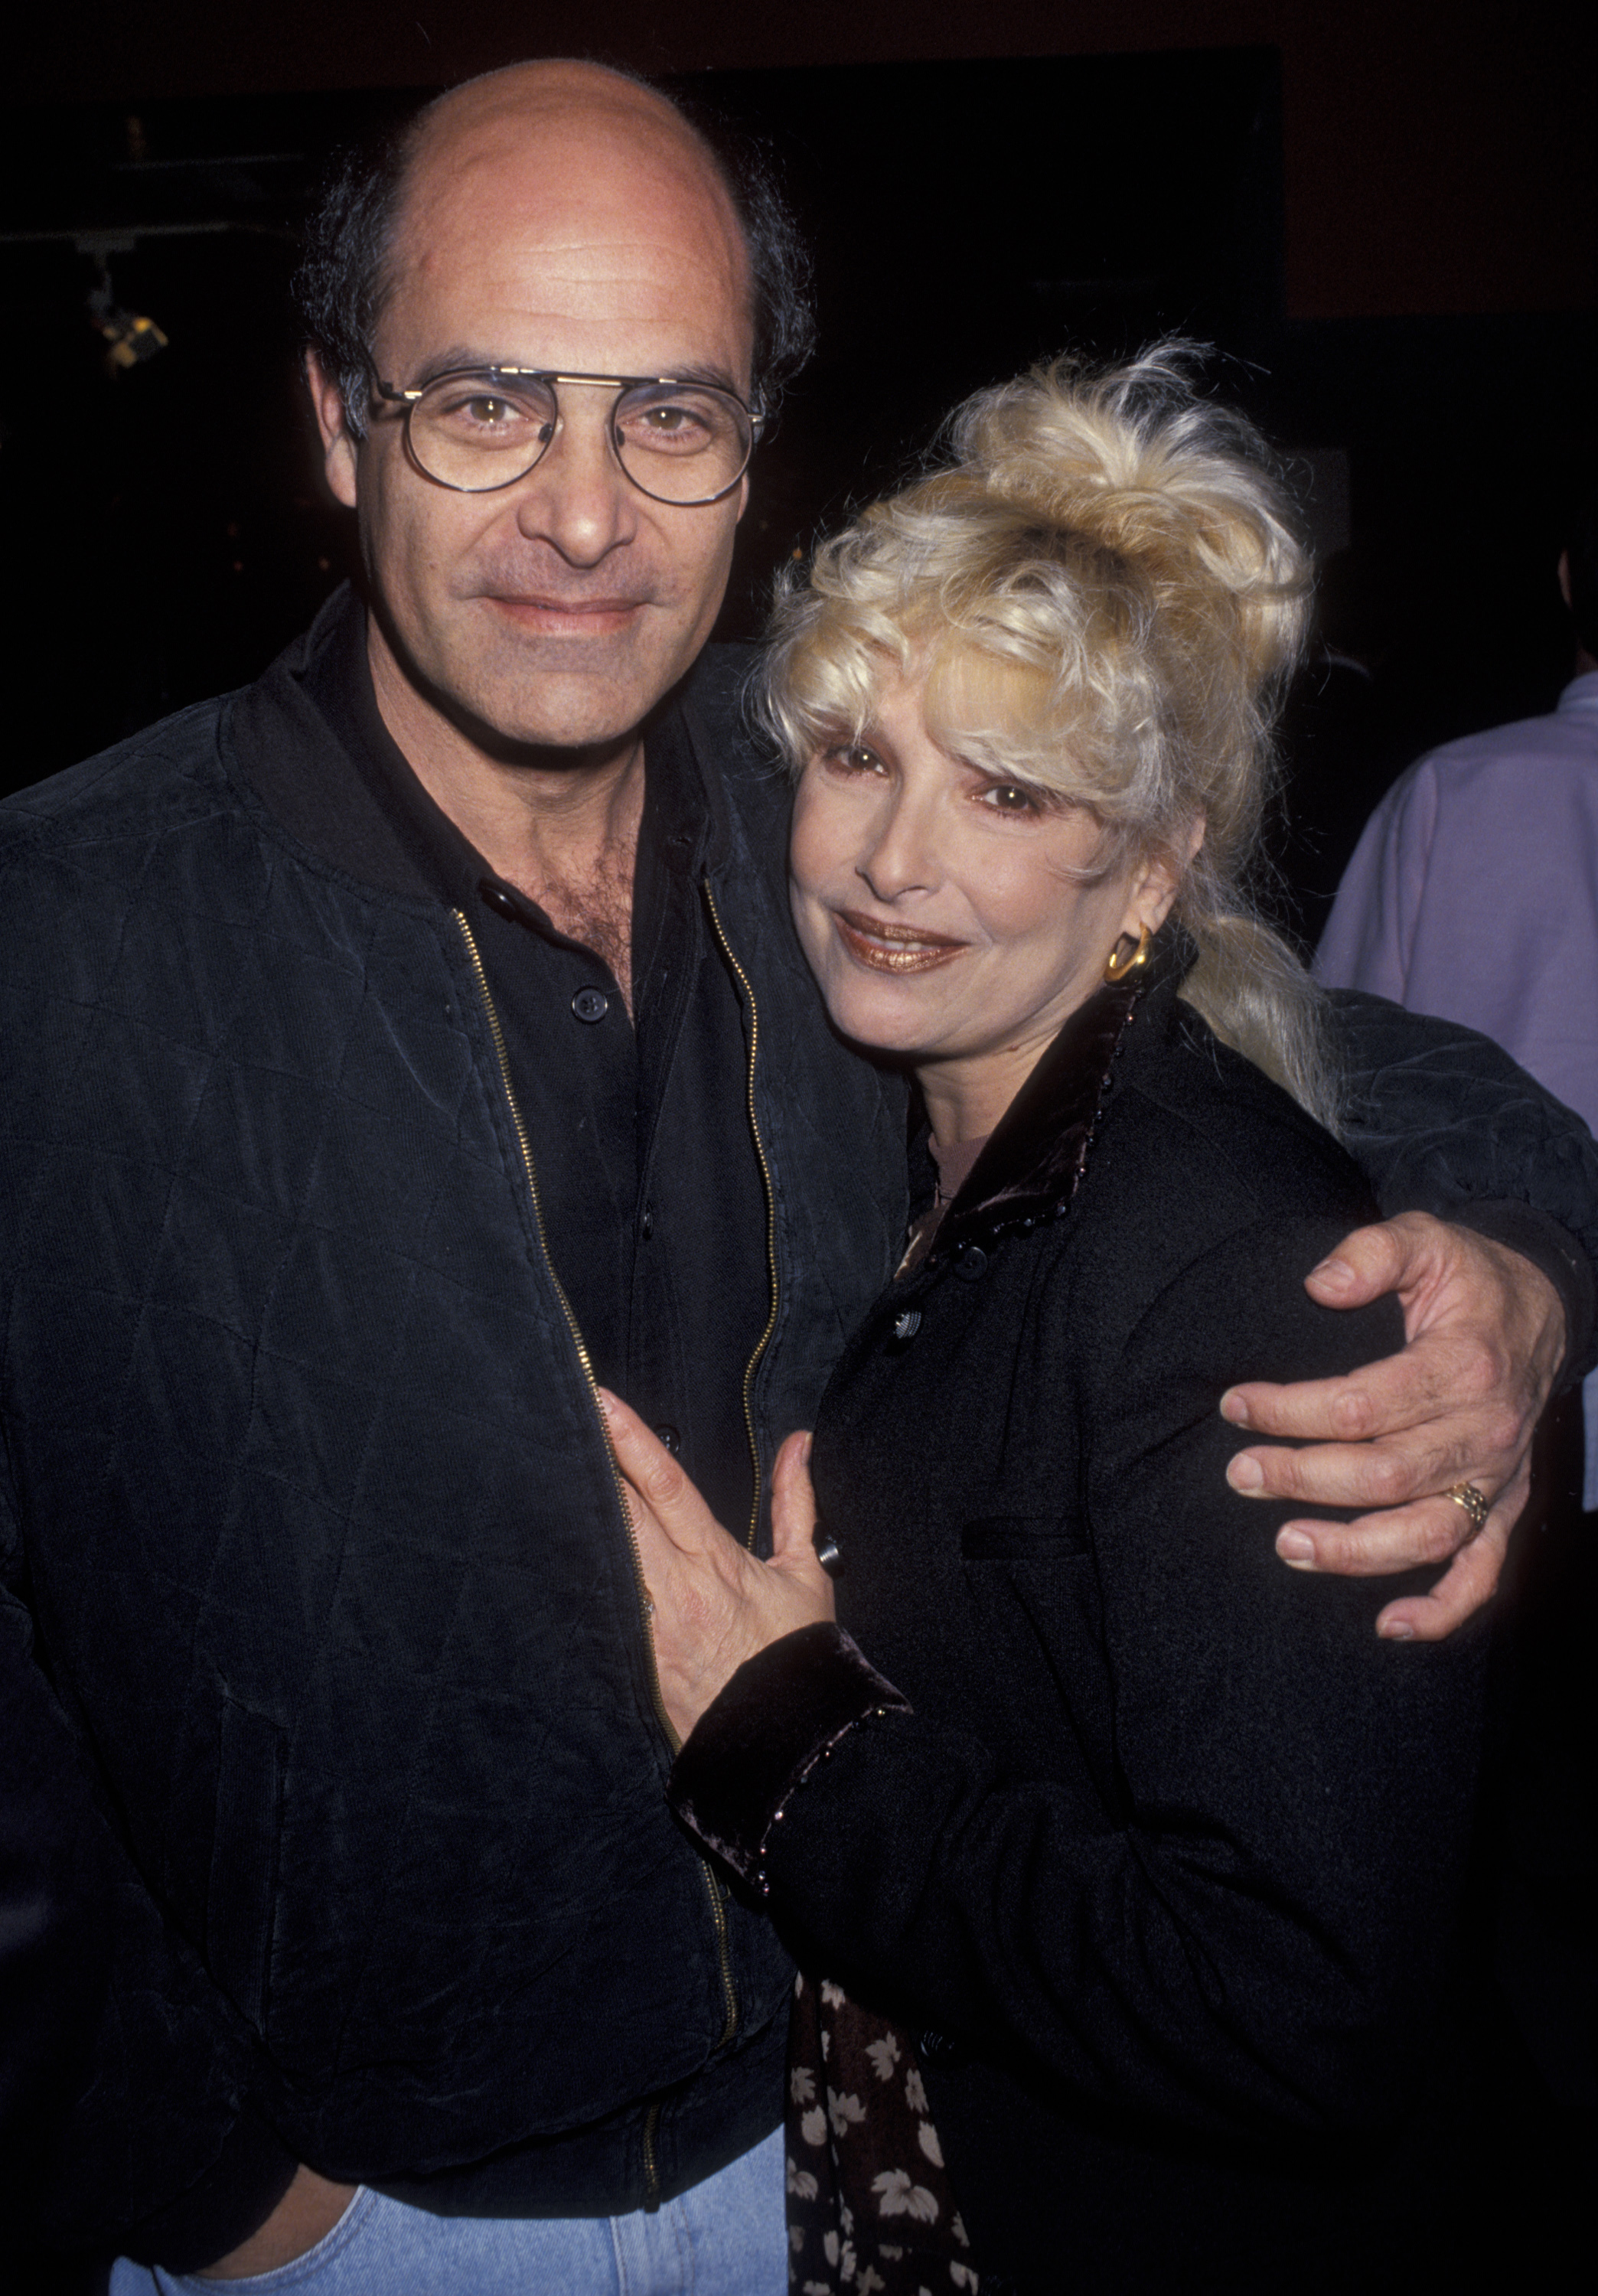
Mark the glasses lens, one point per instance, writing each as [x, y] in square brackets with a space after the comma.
[479, 431]
[682, 443]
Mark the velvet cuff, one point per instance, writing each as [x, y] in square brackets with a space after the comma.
[1538, 1237]
[754, 1746]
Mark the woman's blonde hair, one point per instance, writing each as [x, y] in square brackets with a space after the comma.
[1105, 588]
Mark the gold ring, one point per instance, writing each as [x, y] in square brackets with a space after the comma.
[1475, 1503]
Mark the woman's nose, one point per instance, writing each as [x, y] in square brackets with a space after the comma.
[902, 857]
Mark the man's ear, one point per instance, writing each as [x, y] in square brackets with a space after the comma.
[337, 446]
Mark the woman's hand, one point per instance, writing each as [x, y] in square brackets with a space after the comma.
[715, 1604]
[1486, 1335]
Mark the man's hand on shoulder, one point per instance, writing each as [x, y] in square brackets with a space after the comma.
[1484, 1337]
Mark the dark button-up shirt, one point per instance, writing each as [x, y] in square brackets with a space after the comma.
[652, 1201]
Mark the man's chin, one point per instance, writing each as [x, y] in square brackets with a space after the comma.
[549, 693]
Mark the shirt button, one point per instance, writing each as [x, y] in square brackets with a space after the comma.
[502, 904]
[646, 1226]
[591, 1005]
[669, 1435]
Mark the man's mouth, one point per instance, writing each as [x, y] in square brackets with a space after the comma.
[893, 948]
[557, 617]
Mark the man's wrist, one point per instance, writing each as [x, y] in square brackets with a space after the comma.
[1538, 1237]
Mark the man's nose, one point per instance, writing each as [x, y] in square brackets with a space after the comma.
[577, 497]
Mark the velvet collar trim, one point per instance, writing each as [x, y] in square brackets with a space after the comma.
[1033, 1163]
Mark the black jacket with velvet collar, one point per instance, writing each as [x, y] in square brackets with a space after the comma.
[1155, 1835]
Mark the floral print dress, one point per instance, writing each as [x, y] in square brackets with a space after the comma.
[871, 2210]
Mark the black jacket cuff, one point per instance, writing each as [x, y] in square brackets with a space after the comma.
[1538, 1237]
[754, 1746]
[233, 2199]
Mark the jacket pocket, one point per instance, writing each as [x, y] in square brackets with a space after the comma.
[1021, 1539]
[241, 1889]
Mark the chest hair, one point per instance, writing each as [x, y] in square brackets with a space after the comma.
[595, 909]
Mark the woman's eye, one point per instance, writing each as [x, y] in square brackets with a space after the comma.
[1008, 797]
[852, 757]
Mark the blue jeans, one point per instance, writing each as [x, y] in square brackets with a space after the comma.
[726, 2237]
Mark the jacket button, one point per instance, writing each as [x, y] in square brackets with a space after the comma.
[591, 1005]
[669, 1435]
[971, 1263]
[504, 904]
[906, 1326]
[646, 1226]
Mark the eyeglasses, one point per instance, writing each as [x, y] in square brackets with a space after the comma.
[478, 429]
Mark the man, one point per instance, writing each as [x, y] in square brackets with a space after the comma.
[396, 1048]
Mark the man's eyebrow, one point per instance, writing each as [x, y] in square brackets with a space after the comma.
[468, 357]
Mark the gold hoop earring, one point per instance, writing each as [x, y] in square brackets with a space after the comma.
[1116, 968]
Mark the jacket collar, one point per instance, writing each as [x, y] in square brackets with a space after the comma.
[1033, 1164]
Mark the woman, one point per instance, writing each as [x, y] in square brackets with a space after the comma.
[1150, 1844]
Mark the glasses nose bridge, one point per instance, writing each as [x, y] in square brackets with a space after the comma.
[556, 384]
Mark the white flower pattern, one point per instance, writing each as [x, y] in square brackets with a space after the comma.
[866, 2156]
[884, 2055]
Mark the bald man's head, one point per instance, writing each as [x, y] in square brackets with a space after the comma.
[358, 240]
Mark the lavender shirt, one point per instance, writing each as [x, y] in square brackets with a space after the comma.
[1473, 894]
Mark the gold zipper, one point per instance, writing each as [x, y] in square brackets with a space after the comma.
[719, 1918]
[577, 1341]
[771, 1217]
[651, 2167]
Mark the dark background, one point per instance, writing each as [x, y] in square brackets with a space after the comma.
[1382, 218]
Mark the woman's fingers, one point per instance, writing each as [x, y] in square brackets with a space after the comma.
[792, 1498]
[654, 1478]
[793, 1520]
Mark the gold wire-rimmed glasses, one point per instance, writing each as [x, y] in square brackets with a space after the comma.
[475, 430]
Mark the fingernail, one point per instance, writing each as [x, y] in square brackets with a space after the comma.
[1234, 1408]
[1399, 1631]
[1295, 1547]
[1335, 1271]
[1245, 1474]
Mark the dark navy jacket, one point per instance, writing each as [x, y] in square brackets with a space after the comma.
[308, 1503]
